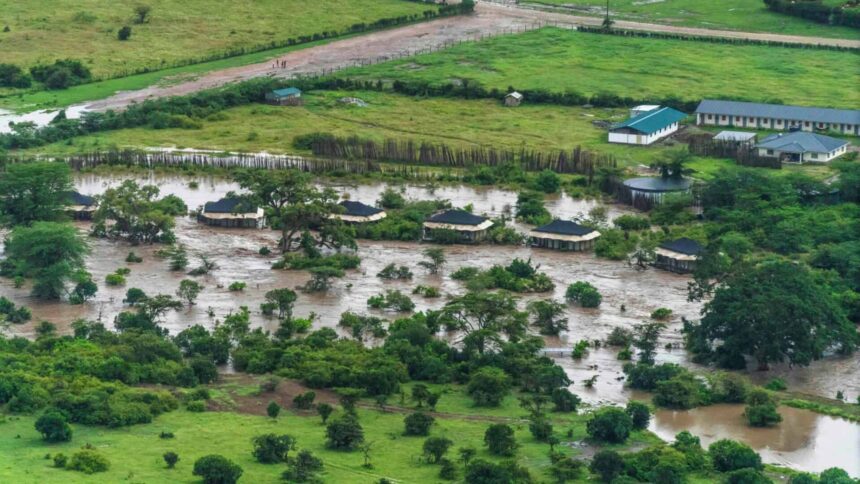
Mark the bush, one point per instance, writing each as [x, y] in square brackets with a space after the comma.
[610, 424]
[620, 337]
[448, 470]
[166, 435]
[488, 386]
[170, 458]
[776, 385]
[540, 428]
[271, 448]
[115, 280]
[747, 476]
[195, 406]
[661, 313]
[500, 440]
[133, 258]
[12, 76]
[584, 294]
[303, 468]
[417, 423]
[60, 461]
[273, 410]
[393, 271]
[639, 414]
[632, 222]
[608, 464]
[124, 33]
[436, 447]
[564, 401]
[344, 433]
[237, 286]
[217, 469]
[54, 427]
[729, 455]
[88, 461]
[682, 391]
[305, 401]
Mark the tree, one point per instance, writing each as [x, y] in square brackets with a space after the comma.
[170, 458]
[641, 258]
[188, 290]
[141, 13]
[293, 204]
[283, 300]
[54, 427]
[36, 191]
[742, 318]
[435, 259]
[420, 393]
[488, 386]
[500, 440]
[609, 424]
[540, 428]
[482, 317]
[84, 290]
[729, 455]
[324, 410]
[137, 214]
[51, 253]
[271, 448]
[548, 316]
[639, 414]
[417, 423]
[124, 33]
[273, 410]
[608, 464]
[761, 409]
[303, 468]
[217, 469]
[344, 433]
[645, 340]
[584, 294]
[547, 181]
[530, 208]
[564, 401]
[483, 472]
[565, 469]
[435, 448]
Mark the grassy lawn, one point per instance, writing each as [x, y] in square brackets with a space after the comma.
[746, 15]
[44, 30]
[559, 60]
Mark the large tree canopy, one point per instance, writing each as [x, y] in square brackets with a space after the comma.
[33, 191]
[774, 311]
[51, 253]
[135, 213]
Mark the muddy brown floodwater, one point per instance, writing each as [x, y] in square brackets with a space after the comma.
[235, 251]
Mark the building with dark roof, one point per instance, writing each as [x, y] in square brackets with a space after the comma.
[358, 213]
[288, 96]
[563, 235]
[646, 127]
[800, 147]
[678, 255]
[777, 117]
[469, 227]
[80, 206]
[232, 213]
[644, 192]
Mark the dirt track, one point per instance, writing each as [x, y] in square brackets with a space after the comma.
[489, 19]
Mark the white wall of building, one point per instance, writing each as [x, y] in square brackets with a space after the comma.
[773, 124]
[808, 157]
[641, 139]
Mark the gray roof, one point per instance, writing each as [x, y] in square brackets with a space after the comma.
[457, 217]
[734, 136]
[779, 111]
[229, 205]
[658, 184]
[683, 246]
[801, 142]
[564, 227]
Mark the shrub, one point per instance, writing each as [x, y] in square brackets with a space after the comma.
[610, 424]
[217, 469]
[584, 294]
[133, 258]
[170, 458]
[436, 447]
[54, 427]
[448, 470]
[303, 468]
[324, 410]
[729, 455]
[393, 271]
[488, 386]
[747, 476]
[639, 414]
[165, 435]
[427, 291]
[271, 448]
[237, 286]
[195, 406]
[761, 411]
[564, 401]
[344, 433]
[500, 440]
[13, 76]
[60, 460]
[305, 401]
[776, 385]
[465, 273]
[632, 222]
[540, 428]
[273, 410]
[682, 391]
[661, 313]
[124, 33]
[607, 464]
[88, 461]
[417, 423]
[620, 337]
[115, 279]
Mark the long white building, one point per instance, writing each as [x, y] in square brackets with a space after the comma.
[777, 117]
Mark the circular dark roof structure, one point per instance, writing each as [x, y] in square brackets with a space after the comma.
[658, 184]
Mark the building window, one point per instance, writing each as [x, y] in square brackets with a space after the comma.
[815, 155]
[807, 124]
[770, 152]
[710, 116]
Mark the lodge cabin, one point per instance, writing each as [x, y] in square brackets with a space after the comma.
[563, 235]
[801, 147]
[646, 127]
[232, 213]
[81, 207]
[651, 190]
[777, 117]
[471, 228]
[358, 213]
[288, 96]
[513, 99]
[678, 255]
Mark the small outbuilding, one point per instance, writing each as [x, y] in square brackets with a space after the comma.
[801, 147]
[653, 188]
[81, 207]
[678, 255]
[741, 138]
[288, 96]
[359, 213]
[232, 213]
[563, 235]
[471, 228]
[647, 127]
[513, 99]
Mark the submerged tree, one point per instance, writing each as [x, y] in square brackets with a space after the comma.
[33, 191]
[548, 316]
[483, 317]
[49, 252]
[135, 213]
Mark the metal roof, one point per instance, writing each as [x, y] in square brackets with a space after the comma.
[779, 111]
[658, 184]
[229, 205]
[515, 95]
[652, 121]
[683, 246]
[564, 227]
[801, 142]
[734, 136]
[359, 209]
[457, 217]
[287, 92]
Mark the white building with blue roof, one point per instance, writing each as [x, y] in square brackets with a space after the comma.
[802, 147]
[646, 127]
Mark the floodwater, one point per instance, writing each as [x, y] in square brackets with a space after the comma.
[39, 118]
[629, 296]
[803, 440]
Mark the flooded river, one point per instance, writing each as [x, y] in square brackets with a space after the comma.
[629, 296]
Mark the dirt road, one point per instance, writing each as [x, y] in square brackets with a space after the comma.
[489, 19]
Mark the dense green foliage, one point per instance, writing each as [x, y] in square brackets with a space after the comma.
[50, 253]
[33, 191]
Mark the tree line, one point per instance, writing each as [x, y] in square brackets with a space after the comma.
[846, 14]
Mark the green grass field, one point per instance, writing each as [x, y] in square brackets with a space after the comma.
[136, 452]
[559, 60]
[43, 30]
[746, 15]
